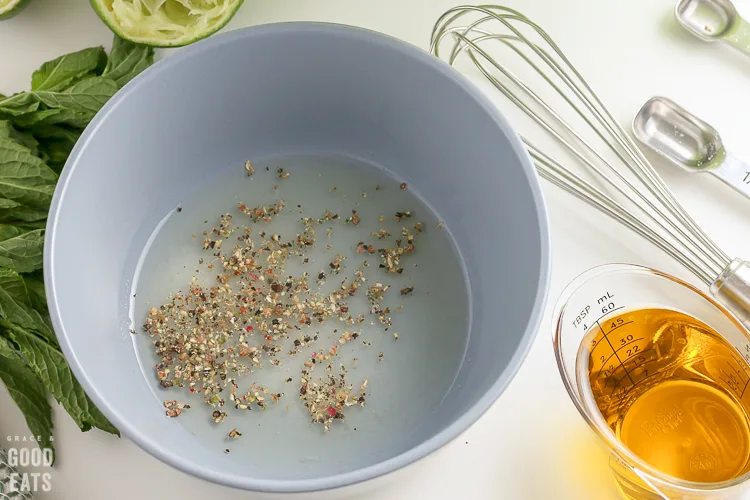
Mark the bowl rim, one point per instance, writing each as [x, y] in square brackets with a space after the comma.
[425, 448]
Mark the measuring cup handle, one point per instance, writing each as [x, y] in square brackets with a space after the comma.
[732, 289]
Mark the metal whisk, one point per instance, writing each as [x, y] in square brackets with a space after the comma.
[554, 95]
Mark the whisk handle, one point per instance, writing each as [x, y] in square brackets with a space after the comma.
[732, 289]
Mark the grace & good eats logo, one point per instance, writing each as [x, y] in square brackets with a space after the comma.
[21, 452]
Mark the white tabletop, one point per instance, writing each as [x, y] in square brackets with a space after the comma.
[532, 444]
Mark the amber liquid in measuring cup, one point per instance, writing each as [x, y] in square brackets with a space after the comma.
[673, 391]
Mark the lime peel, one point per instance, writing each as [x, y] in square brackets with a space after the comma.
[165, 23]
[9, 8]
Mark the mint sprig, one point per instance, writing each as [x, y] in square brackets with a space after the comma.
[38, 129]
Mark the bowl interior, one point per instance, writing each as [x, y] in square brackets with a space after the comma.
[286, 91]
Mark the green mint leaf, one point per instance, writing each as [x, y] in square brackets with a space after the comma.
[6, 129]
[27, 140]
[27, 391]
[11, 211]
[31, 225]
[37, 117]
[24, 178]
[23, 138]
[21, 248]
[16, 306]
[55, 116]
[37, 295]
[50, 366]
[87, 95]
[57, 167]
[69, 117]
[59, 132]
[126, 60]
[60, 73]
[55, 153]
[18, 104]
[56, 144]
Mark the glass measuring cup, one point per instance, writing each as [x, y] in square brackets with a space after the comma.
[598, 321]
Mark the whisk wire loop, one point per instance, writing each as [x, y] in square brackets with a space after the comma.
[661, 219]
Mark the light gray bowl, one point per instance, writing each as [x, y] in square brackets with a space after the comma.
[295, 89]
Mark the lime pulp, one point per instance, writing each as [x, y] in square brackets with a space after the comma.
[165, 23]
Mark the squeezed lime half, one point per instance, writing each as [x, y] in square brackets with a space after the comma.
[9, 8]
[165, 23]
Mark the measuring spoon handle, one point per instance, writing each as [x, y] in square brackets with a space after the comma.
[735, 173]
[738, 36]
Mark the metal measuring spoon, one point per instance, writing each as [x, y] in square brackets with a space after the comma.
[714, 20]
[689, 142]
